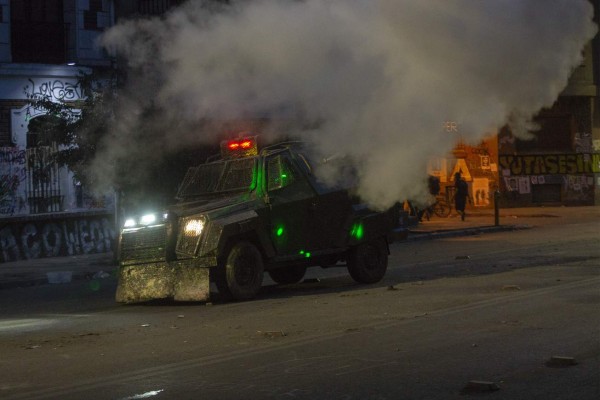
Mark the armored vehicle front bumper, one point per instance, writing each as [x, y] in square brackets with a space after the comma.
[146, 273]
[180, 280]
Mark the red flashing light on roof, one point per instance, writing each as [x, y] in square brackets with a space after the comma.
[242, 147]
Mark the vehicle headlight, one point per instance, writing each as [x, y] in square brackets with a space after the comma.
[148, 219]
[144, 220]
[193, 227]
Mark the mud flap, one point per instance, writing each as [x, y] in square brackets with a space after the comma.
[179, 280]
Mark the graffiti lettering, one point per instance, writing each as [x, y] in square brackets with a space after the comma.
[12, 155]
[551, 164]
[86, 238]
[583, 142]
[451, 126]
[71, 240]
[30, 242]
[56, 90]
[12, 165]
[50, 239]
[8, 244]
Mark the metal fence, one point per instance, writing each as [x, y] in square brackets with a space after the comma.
[43, 181]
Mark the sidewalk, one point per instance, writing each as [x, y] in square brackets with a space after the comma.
[35, 272]
[477, 222]
[56, 269]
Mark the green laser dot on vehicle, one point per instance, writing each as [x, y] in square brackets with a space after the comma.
[357, 231]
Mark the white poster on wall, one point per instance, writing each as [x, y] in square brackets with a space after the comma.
[481, 192]
[524, 185]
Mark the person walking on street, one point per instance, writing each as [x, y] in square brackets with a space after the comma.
[461, 194]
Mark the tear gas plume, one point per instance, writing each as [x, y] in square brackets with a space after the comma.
[374, 80]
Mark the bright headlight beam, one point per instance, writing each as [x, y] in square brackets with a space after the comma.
[194, 227]
[129, 223]
[25, 325]
[148, 219]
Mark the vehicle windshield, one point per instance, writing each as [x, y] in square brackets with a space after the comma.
[217, 178]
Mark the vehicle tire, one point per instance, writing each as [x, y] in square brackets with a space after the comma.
[367, 262]
[240, 276]
[288, 275]
[441, 209]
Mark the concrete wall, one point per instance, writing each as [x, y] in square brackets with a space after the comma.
[56, 235]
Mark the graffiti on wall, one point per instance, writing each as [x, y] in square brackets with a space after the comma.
[31, 240]
[579, 188]
[550, 164]
[12, 173]
[55, 90]
[575, 188]
[582, 142]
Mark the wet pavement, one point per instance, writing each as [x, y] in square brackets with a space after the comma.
[63, 270]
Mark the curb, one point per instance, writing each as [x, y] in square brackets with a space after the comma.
[38, 280]
[400, 235]
[416, 235]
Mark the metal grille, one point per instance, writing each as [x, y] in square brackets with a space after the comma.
[187, 243]
[218, 177]
[43, 183]
[145, 244]
[199, 180]
[211, 239]
[238, 174]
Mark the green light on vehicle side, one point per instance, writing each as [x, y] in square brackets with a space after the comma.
[255, 177]
[357, 231]
[279, 231]
[305, 253]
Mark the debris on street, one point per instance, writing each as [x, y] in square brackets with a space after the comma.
[101, 275]
[480, 387]
[561, 362]
[272, 334]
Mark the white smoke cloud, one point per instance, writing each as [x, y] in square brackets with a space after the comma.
[373, 79]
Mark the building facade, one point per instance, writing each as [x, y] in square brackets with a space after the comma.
[44, 47]
[561, 165]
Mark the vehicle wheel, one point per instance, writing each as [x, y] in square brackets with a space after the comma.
[241, 275]
[285, 276]
[367, 262]
[441, 210]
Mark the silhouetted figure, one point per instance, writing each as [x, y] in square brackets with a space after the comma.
[461, 194]
[433, 184]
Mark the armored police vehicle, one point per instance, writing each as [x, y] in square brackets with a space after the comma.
[249, 212]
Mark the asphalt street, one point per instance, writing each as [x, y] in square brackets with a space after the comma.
[31, 272]
[458, 315]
